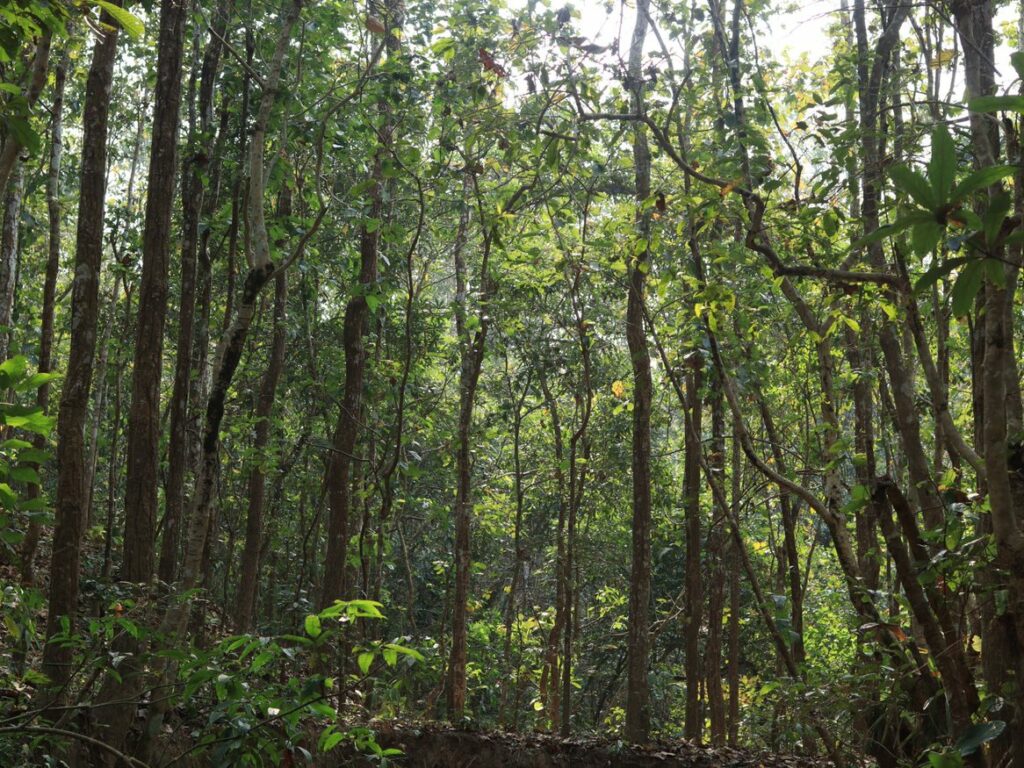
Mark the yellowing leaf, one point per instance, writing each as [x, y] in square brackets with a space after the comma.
[618, 388]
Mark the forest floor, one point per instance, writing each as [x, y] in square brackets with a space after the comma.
[434, 745]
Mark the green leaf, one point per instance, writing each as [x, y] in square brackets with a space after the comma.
[995, 272]
[24, 133]
[979, 734]
[942, 168]
[1017, 60]
[926, 236]
[313, 627]
[888, 230]
[936, 273]
[34, 381]
[12, 371]
[995, 214]
[913, 184]
[128, 21]
[996, 104]
[966, 287]
[364, 660]
[980, 179]
[332, 741]
[33, 421]
[944, 760]
[25, 475]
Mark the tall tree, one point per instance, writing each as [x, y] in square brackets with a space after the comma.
[357, 313]
[144, 415]
[71, 481]
[638, 712]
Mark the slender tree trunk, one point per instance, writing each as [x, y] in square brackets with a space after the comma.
[734, 596]
[99, 400]
[74, 404]
[550, 687]
[1003, 641]
[638, 705]
[579, 458]
[716, 581]
[144, 413]
[518, 553]
[193, 193]
[472, 348]
[694, 613]
[246, 601]
[9, 257]
[357, 313]
[53, 214]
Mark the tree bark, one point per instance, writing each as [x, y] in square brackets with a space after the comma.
[357, 313]
[638, 714]
[74, 404]
[53, 214]
[246, 600]
[693, 615]
[9, 257]
[193, 194]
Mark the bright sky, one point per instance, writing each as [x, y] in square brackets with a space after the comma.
[790, 34]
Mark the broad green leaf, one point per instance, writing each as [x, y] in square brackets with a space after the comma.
[926, 236]
[365, 660]
[913, 184]
[888, 230]
[966, 287]
[996, 104]
[332, 741]
[995, 272]
[980, 179]
[21, 129]
[13, 370]
[942, 168]
[34, 381]
[24, 475]
[1017, 60]
[979, 734]
[1014, 238]
[406, 650]
[995, 214]
[128, 20]
[944, 760]
[313, 628]
[936, 273]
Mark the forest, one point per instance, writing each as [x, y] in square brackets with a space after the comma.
[511, 383]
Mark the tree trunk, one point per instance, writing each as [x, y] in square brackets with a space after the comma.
[193, 193]
[246, 600]
[716, 581]
[694, 610]
[144, 413]
[472, 356]
[638, 712]
[53, 213]
[357, 313]
[9, 257]
[74, 404]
